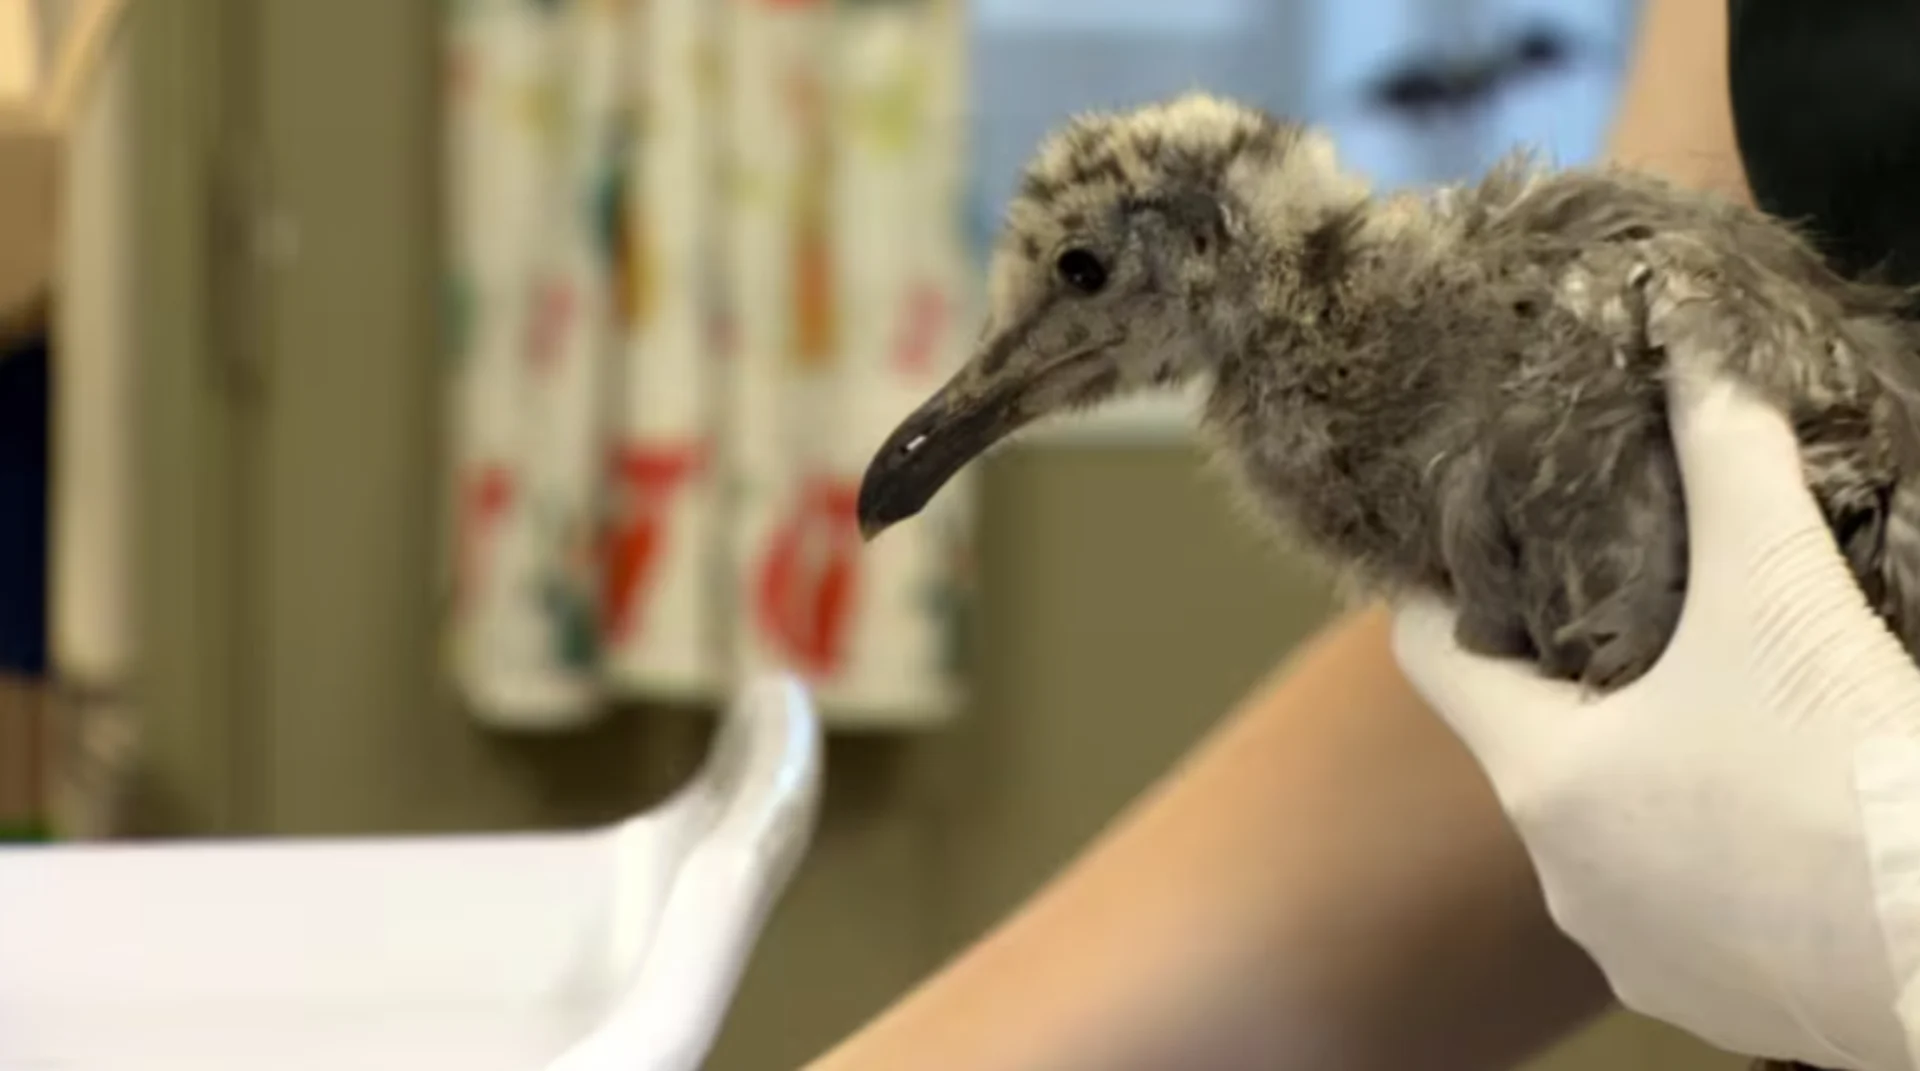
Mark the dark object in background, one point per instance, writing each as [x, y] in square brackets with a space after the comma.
[1826, 110]
[26, 398]
[1432, 86]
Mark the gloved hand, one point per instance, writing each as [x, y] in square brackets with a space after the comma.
[1724, 835]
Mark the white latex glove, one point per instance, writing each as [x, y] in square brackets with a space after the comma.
[1700, 833]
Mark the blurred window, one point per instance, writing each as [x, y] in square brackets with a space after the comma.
[1415, 91]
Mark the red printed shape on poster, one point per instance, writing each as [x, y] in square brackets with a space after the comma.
[489, 493]
[807, 580]
[648, 477]
[547, 327]
[924, 314]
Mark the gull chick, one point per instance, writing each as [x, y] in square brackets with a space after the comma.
[1458, 390]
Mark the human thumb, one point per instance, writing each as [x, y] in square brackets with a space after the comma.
[1740, 468]
[1762, 557]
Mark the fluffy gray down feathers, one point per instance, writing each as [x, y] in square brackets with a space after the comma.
[1461, 390]
[1506, 375]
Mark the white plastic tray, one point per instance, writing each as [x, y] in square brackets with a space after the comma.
[615, 948]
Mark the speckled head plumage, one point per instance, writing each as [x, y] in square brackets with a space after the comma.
[1124, 229]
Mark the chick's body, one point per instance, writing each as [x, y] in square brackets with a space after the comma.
[1459, 390]
[1464, 393]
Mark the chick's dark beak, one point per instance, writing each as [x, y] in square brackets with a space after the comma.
[1040, 364]
[929, 447]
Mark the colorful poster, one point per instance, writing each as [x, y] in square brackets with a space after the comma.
[706, 253]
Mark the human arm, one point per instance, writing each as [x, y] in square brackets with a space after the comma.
[1675, 116]
[1326, 882]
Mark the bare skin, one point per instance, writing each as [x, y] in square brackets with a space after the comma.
[1328, 881]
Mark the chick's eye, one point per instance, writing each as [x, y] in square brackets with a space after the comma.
[1082, 270]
